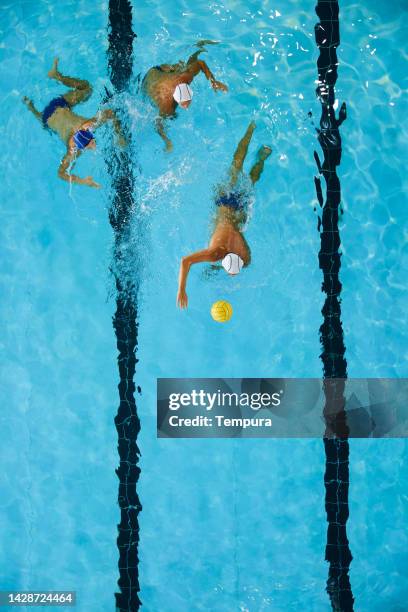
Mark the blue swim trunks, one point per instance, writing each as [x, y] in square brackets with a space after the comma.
[49, 110]
[234, 200]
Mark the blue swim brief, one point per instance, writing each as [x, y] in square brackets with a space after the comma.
[49, 110]
[234, 200]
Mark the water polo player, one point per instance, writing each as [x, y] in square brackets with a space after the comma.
[168, 86]
[76, 132]
[227, 243]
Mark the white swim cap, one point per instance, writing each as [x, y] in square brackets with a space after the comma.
[232, 263]
[183, 93]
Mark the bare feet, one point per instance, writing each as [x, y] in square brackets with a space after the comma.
[53, 73]
[264, 152]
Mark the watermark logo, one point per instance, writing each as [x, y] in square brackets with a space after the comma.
[281, 407]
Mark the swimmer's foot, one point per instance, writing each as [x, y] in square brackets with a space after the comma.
[263, 153]
[53, 73]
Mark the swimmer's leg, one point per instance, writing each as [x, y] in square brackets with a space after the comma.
[240, 153]
[81, 89]
[257, 169]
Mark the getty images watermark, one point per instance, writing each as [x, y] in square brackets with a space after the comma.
[279, 407]
[221, 399]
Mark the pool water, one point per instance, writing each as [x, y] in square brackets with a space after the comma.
[226, 524]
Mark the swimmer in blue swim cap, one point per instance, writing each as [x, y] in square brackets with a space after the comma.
[168, 86]
[75, 131]
[227, 243]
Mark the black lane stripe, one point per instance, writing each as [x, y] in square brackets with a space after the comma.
[336, 478]
[121, 211]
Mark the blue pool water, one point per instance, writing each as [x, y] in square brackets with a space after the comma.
[226, 524]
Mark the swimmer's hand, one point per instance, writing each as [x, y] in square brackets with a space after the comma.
[72, 178]
[29, 103]
[218, 86]
[88, 180]
[182, 299]
[69, 160]
[169, 145]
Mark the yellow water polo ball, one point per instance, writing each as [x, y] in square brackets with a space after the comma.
[221, 311]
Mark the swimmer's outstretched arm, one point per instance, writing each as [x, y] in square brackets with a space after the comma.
[216, 85]
[30, 105]
[200, 65]
[211, 254]
[162, 133]
[69, 160]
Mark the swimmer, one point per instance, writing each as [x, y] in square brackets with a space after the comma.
[168, 86]
[74, 130]
[227, 243]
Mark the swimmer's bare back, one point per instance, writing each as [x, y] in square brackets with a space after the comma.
[65, 122]
[160, 87]
[227, 237]
[161, 81]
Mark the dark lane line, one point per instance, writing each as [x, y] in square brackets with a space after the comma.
[125, 324]
[336, 477]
